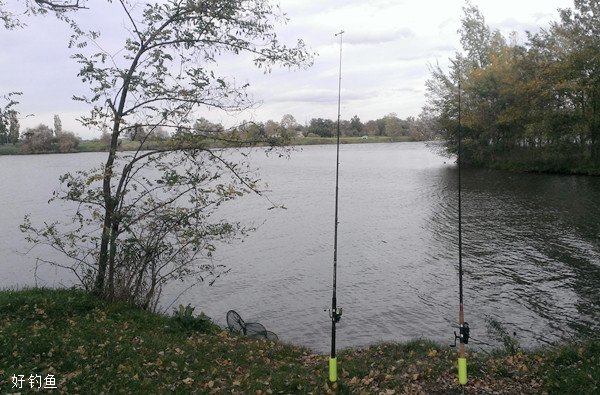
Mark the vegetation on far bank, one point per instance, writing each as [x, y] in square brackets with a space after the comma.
[91, 346]
[526, 103]
[128, 145]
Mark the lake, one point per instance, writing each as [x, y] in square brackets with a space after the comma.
[530, 242]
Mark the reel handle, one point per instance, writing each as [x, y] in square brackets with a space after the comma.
[336, 315]
[463, 334]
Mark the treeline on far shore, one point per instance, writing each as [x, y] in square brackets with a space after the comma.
[390, 128]
[530, 104]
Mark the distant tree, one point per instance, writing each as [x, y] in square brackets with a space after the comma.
[105, 136]
[137, 133]
[290, 128]
[370, 128]
[380, 126]
[57, 125]
[272, 128]
[8, 104]
[13, 127]
[137, 229]
[252, 131]
[356, 126]
[393, 125]
[345, 129]
[38, 139]
[322, 127]
[203, 126]
[288, 122]
[67, 142]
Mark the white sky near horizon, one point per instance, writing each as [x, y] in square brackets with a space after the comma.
[388, 46]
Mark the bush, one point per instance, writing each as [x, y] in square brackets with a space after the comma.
[184, 317]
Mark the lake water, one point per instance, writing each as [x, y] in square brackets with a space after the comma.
[531, 247]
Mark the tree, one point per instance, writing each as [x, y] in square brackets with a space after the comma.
[8, 116]
[288, 122]
[371, 128]
[205, 127]
[289, 127]
[11, 20]
[156, 226]
[38, 139]
[477, 38]
[57, 125]
[533, 106]
[272, 128]
[356, 126]
[322, 127]
[393, 126]
[13, 127]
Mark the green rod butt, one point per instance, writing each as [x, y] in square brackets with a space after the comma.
[333, 370]
[462, 371]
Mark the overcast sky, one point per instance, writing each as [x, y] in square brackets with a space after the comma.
[387, 48]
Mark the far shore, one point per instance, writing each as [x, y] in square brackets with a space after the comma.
[127, 145]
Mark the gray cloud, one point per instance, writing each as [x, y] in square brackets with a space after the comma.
[372, 37]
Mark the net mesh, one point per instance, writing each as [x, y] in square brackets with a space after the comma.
[251, 329]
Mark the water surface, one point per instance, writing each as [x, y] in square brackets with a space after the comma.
[531, 246]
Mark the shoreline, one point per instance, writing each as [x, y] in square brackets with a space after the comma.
[92, 345]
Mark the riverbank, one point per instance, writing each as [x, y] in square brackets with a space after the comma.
[89, 346]
[100, 146]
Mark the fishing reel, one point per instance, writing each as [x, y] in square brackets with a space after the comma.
[336, 315]
[463, 334]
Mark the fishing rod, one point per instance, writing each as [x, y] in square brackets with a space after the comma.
[335, 314]
[463, 327]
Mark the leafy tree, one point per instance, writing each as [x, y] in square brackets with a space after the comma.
[393, 125]
[38, 139]
[13, 127]
[8, 116]
[145, 218]
[356, 126]
[57, 125]
[272, 128]
[371, 129]
[288, 122]
[289, 127]
[534, 106]
[477, 38]
[205, 127]
[10, 18]
[66, 142]
[322, 127]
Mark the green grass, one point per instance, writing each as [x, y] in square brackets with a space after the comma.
[9, 149]
[91, 346]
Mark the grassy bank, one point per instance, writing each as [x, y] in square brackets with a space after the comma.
[90, 346]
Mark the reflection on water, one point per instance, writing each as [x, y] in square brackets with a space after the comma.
[531, 247]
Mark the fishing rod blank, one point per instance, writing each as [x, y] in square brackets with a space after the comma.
[463, 327]
[335, 313]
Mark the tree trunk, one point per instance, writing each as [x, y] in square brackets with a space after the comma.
[109, 212]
